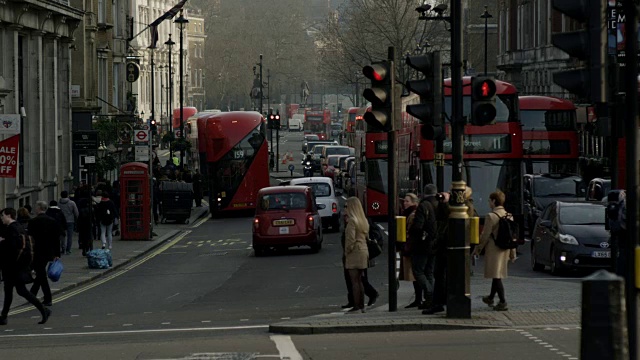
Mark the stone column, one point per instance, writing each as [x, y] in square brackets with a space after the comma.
[51, 108]
[65, 119]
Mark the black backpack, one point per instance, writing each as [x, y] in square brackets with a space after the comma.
[106, 213]
[25, 253]
[508, 232]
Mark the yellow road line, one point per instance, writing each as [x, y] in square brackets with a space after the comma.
[98, 282]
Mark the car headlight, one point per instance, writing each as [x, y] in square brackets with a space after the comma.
[567, 239]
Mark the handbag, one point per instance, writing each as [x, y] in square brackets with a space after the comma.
[374, 248]
[55, 270]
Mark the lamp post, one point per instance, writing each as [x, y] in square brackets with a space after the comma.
[161, 67]
[485, 15]
[170, 44]
[182, 22]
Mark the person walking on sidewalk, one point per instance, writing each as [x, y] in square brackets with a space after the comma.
[45, 232]
[355, 250]
[70, 211]
[410, 203]
[86, 221]
[14, 264]
[422, 237]
[106, 214]
[496, 259]
[54, 212]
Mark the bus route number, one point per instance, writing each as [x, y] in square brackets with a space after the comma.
[238, 154]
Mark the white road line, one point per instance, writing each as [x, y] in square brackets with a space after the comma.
[149, 331]
[285, 347]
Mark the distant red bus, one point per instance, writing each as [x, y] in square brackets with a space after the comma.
[549, 134]
[187, 112]
[371, 147]
[317, 122]
[237, 160]
[349, 126]
[492, 153]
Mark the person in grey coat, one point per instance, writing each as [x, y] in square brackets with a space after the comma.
[70, 211]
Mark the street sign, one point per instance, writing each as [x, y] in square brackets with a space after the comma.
[145, 127]
[142, 153]
[10, 124]
[90, 159]
[141, 136]
[85, 140]
[133, 72]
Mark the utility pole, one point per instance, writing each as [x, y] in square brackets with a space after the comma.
[458, 286]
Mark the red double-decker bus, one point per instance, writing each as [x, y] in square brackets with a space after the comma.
[237, 160]
[549, 134]
[349, 126]
[492, 153]
[317, 122]
[372, 148]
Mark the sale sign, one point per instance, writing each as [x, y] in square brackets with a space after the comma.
[9, 156]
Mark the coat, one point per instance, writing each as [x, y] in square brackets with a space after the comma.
[496, 259]
[355, 248]
[46, 237]
[69, 209]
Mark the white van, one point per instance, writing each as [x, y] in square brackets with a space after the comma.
[295, 123]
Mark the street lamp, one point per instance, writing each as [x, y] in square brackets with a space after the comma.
[170, 44]
[485, 15]
[161, 67]
[182, 23]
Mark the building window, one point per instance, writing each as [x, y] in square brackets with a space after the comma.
[115, 7]
[102, 11]
[102, 82]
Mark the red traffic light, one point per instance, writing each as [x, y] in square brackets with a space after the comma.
[376, 72]
[153, 122]
[484, 89]
[277, 117]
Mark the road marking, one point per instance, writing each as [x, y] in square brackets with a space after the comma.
[285, 347]
[545, 344]
[149, 331]
[200, 222]
[99, 282]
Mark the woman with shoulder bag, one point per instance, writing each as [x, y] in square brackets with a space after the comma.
[355, 250]
[410, 203]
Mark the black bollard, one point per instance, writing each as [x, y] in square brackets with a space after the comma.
[604, 324]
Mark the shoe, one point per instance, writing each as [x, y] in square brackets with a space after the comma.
[373, 299]
[354, 309]
[68, 253]
[487, 300]
[425, 305]
[3, 320]
[47, 303]
[45, 316]
[501, 307]
[413, 304]
[433, 310]
[347, 306]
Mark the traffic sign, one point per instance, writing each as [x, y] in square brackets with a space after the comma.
[142, 153]
[90, 159]
[141, 136]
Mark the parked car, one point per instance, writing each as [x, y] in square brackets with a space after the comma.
[542, 189]
[598, 189]
[326, 195]
[570, 235]
[286, 216]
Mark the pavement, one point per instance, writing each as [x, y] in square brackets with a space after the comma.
[77, 273]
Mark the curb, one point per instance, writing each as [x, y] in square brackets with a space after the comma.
[160, 241]
[362, 328]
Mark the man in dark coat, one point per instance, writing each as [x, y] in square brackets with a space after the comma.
[56, 213]
[197, 188]
[13, 266]
[45, 232]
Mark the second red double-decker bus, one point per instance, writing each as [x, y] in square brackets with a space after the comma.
[237, 160]
[549, 134]
[317, 122]
[492, 153]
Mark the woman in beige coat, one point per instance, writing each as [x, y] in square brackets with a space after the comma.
[355, 249]
[496, 259]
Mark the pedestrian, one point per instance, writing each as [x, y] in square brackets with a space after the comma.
[157, 200]
[106, 214]
[45, 232]
[86, 223]
[410, 203]
[70, 211]
[422, 240]
[369, 290]
[15, 265]
[197, 188]
[355, 250]
[55, 212]
[23, 217]
[95, 200]
[496, 259]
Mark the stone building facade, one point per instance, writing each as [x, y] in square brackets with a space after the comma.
[197, 58]
[37, 38]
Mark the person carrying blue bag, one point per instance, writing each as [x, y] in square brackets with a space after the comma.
[45, 232]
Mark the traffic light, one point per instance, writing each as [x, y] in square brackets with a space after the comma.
[429, 111]
[588, 45]
[270, 121]
[379, 95]
[276, 120]
[153, 127]
[483, 101]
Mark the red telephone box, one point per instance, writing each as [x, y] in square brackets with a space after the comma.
[135, 202]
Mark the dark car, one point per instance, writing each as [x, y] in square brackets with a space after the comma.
[542, 189]
[598, 189]
[570, 235]
[286, 216]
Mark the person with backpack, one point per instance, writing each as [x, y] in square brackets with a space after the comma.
[45, 232]
[107, 213]
[16, 257]
[496, 228]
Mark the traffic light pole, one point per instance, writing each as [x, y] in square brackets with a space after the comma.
[458, 287]
[392, 190]
[277, 148]
[631, 130]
